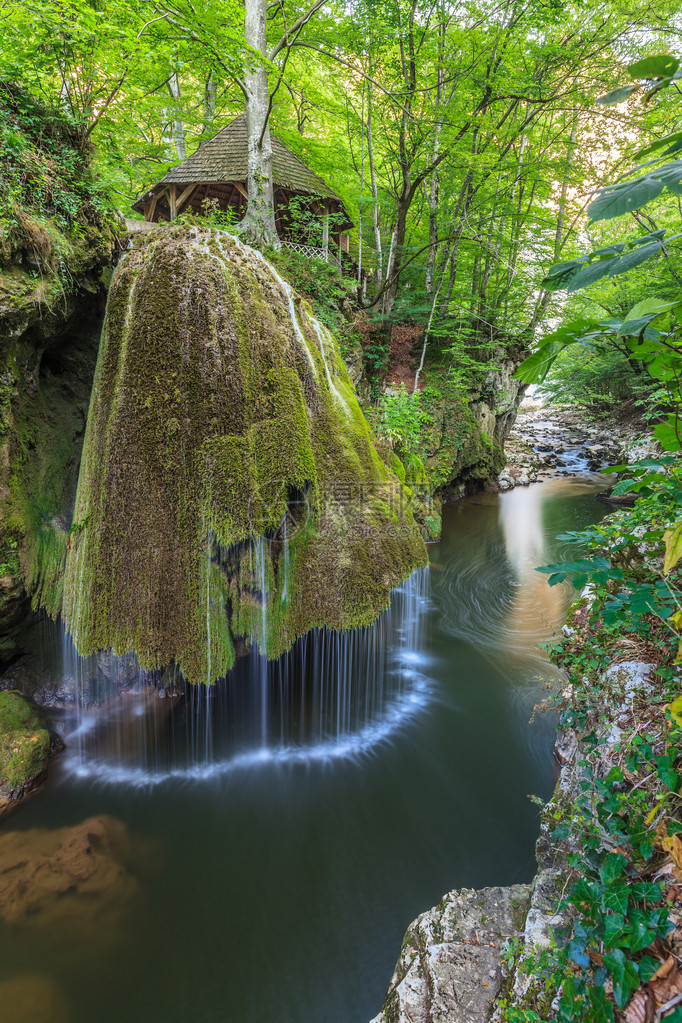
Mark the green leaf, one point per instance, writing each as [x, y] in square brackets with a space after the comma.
[616, 899]
[535, 368]
[648, 966]
[636, 326]
[609, 250]
[660, 66]
[671, 176]
[642, 931]
[650, 237]
[591, 273]
[672, 140]
[650, 890]
[612, 867]
[634, 258]
[616, 930]
[648, 305]
[616, 95]
[624, 974]
[666, 434]
[601, 1010]
[615, 200]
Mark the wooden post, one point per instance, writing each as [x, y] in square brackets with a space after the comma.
[172, 193]
[325, 232]
[149, 208]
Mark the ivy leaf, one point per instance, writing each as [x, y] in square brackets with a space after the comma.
[612, 867]
[642, 931]
[648, 967]
[616, 899]
[616, 930]
[624, 974]
[600, 1006]
[649, 890]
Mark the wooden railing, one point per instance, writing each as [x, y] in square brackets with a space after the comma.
[312, 252]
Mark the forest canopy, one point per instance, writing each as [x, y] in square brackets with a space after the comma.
[464, 138]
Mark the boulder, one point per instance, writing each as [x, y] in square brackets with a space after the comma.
[450, 968]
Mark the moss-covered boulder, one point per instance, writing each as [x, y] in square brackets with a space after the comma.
[229, 486]
[24, 748]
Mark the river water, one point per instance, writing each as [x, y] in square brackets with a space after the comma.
[262, 855]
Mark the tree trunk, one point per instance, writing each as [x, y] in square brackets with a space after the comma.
[177, 125]
[210, 90]
[435, 179]
[373, 180]
[259, 223]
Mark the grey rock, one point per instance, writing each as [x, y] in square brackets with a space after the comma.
[449, 970]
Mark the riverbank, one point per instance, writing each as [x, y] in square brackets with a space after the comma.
[598, 929]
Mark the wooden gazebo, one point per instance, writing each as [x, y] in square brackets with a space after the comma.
[217, 172]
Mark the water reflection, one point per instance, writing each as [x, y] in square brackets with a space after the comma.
[491, 594]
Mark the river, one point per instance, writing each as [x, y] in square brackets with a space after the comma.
[273, 849]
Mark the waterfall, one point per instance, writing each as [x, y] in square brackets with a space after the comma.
[332, 695]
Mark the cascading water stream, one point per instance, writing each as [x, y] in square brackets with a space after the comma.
[333, 695]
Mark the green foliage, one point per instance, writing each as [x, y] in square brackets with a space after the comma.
[211, 216]
[43, 173]
[598, 379]
[9, 558]
[321, 283]
[647, 335]
[401, 417]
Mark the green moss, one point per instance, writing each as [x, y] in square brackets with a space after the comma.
[458, 450]
[218, 419]
[24, 744]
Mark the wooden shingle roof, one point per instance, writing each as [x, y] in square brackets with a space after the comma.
[224, 158]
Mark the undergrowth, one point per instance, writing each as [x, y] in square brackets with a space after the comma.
[619, 835]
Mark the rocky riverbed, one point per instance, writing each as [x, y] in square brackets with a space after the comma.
[548, 441]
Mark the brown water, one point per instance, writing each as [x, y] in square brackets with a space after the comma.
[251, 869]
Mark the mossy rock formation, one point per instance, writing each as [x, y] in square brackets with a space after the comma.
[229, 486]
[24, 748]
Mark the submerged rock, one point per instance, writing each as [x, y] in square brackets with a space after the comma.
[67, 875]
[229, 486]
[24, 749]
[32, 998]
